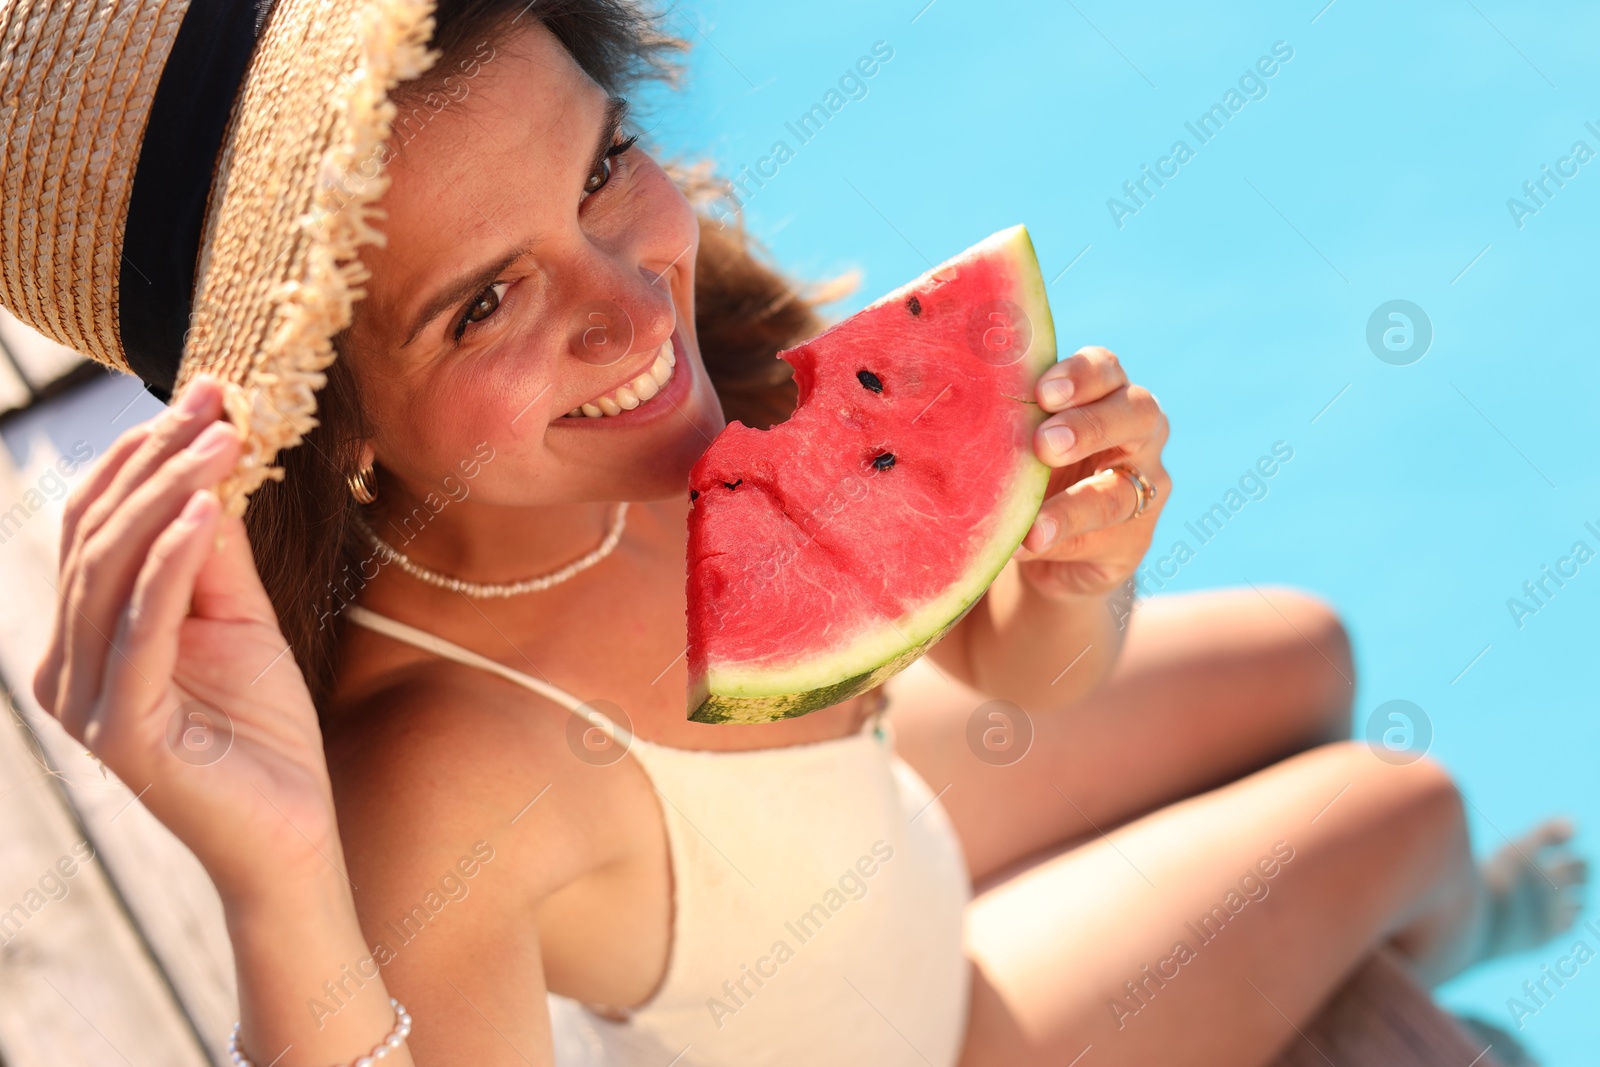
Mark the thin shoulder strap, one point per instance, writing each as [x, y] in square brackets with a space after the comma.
[422, 639]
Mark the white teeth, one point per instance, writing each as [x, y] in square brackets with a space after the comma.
[629, 396]
[645, 386]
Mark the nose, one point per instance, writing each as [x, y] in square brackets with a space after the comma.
[619, 308]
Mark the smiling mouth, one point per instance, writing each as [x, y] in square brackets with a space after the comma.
[631, 394]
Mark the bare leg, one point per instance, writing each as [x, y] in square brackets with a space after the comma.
[1535, 891]
[1210, 686]
[1083, 949]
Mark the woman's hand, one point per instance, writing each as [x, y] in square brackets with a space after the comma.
[167, 661]
[1084, 542]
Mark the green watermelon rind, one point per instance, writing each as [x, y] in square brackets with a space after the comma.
[764, 694]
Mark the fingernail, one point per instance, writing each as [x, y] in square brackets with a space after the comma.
[1060, 439]
[193, 400]
[213, 439]
[195, 507]
[1057, 391]
[1045, 530]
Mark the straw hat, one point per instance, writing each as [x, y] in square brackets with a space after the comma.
[185, 186]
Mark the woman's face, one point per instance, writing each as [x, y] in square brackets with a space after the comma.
[533, 264]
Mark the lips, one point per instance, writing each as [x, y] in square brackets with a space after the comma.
[631, 394]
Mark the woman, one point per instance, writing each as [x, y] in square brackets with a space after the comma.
[409, 809]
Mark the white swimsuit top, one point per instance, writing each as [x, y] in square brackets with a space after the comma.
[819, 892]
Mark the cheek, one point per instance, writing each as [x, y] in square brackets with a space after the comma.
[657, 212]
[443, 418]
[501, 394]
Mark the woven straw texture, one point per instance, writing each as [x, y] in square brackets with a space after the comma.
[292, 198]
[76, 81]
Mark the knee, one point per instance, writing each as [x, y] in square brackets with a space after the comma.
[1319, 623]
[1323, 646]
[1405, 825]
[1423, 786]
[1420, 799]
[1428, 816]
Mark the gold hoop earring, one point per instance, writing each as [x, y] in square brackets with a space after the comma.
[361, 485]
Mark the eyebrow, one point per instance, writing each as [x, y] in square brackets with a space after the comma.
[459, 288]
[474, 281]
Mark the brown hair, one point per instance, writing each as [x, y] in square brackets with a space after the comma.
[300, 528]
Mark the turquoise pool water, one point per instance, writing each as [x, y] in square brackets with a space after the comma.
[1383, 159]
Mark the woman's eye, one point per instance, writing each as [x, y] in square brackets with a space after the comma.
[598, 178]
[483, 305]
[602, 173]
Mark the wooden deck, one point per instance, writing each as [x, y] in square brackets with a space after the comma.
[1382, 1017]
[126, 959]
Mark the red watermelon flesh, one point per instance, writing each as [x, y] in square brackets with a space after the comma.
[830, 551]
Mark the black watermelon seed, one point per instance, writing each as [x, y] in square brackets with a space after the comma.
[870, 380]
[694, 494]
[915, 305]
[733, 484]
[884, 462]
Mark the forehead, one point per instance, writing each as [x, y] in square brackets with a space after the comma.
[520, 95]
[483, 161]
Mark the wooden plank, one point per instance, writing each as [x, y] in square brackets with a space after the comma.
[76, 983]
[41, 361]
[1383, 1016]
[14, 391]
[159, 881]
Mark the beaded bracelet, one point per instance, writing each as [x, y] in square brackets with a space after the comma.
[396, 1038]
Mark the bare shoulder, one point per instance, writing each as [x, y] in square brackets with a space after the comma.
[460, 809]
[434, 763]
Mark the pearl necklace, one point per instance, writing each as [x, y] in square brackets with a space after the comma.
[504, 589]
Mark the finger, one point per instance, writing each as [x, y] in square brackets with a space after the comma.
[128, 463]
[1098, 502]
[95, 482]
[149, 630]
[196, 407]
[109, 559]
[46, 678]
[1127, 418]
[1083, 377]
[229, 586]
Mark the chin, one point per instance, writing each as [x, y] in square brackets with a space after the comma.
[663, 472]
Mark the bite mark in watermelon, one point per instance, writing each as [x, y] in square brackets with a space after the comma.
[831, 551]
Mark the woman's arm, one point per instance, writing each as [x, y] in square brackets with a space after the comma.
[289, 942]
[313, 989]
[1049, 629]
[166, 661]
[1036, 651]
[444, 918]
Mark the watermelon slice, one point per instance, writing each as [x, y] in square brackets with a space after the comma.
[829, 552]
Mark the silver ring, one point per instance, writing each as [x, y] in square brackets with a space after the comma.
[1143, 489]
